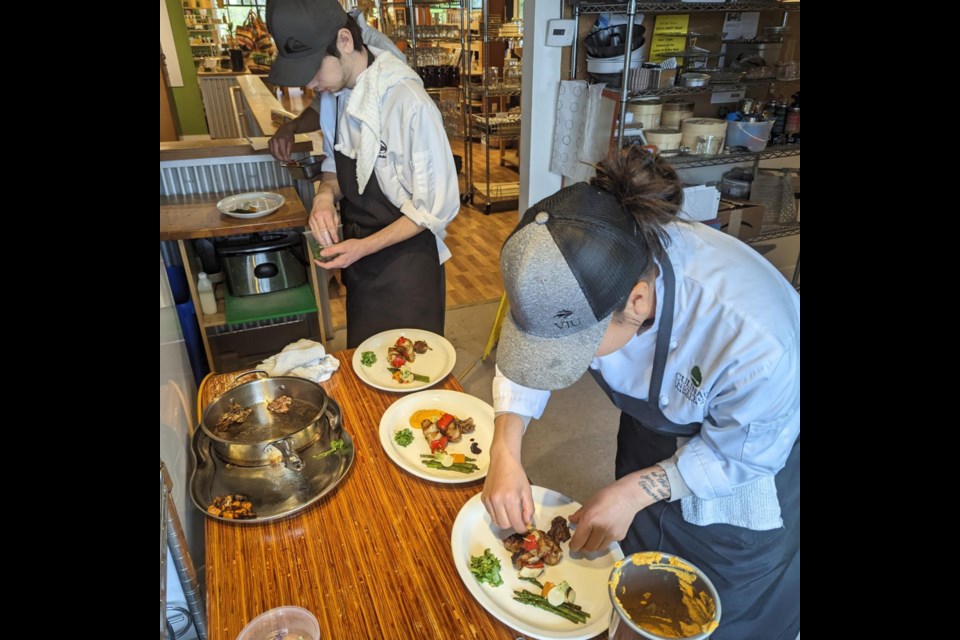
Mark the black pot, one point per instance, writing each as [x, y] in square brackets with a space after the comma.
[612, 41]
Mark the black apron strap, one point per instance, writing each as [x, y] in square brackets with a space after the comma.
[647, 412]
[665, 330]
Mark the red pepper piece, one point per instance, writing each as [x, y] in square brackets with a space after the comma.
[529, 543]
[444, 421]
[439, 444]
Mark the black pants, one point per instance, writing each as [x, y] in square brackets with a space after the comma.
[757, 573]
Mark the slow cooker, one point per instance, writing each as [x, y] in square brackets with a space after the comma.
[262, 262]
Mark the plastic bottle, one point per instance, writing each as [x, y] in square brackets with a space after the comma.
[208, 301]
[792, 125]
[780, 117]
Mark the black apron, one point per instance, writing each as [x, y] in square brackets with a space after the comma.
[757, 573]
[400, 286]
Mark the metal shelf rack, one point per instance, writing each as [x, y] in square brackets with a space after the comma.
[487, 192]
[630, 9]
[476, 91]
[776, 231]
[711, 88]
[779, 151]
[412, 25]
[688, 7]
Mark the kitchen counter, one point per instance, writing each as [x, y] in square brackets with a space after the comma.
[203, 73]
[371, 559]
[188, 217]
[223, 147]
[261, 102]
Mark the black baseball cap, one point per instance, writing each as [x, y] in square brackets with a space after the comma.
[302, 31]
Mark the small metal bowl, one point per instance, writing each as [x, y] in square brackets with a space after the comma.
[308, 168]
[695, 79]
[652, 589]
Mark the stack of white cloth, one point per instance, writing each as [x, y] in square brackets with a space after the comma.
[304, 359]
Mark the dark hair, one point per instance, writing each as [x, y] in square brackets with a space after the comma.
[648, 189]
[354, 29]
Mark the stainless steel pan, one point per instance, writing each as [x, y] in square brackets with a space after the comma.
[254, 441]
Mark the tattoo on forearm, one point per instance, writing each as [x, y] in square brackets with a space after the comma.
[655, 485]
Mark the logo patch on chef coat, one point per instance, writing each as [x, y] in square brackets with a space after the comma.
[383, 151]
[689, 386]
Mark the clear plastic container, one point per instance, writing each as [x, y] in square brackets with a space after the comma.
[317, 246]
[752, 135]
[282, 623]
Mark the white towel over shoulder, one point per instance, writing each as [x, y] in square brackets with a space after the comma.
[304, 359]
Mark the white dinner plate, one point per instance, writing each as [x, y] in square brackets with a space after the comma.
[587, 573]
[435, 363]
[265, 203]
[461, 405]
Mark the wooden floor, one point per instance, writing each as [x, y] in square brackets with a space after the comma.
[474, 239]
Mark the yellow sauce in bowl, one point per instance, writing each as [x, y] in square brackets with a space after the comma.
[656, 608]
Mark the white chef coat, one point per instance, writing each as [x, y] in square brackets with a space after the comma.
[737, 320]
[417, 173]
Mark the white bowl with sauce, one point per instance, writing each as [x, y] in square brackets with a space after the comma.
[282, 623]
[253, 204]
[659, 595]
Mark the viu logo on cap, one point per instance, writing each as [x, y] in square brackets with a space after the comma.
[562, 320]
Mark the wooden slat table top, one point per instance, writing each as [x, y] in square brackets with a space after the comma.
[183, 217]
[371, 559]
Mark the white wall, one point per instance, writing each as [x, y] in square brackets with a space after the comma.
[178, 393]
[538, 102]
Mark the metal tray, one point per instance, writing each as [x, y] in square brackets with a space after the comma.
[275, 490]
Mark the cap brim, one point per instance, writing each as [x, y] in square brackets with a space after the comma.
[547, 363]
[295, 72]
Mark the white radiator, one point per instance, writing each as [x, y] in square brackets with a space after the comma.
[216, 102]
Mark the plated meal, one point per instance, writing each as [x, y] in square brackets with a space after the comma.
[253, 204]
[529, 579]
[404, 359]
[443, 436]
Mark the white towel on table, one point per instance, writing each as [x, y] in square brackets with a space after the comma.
[304, 359]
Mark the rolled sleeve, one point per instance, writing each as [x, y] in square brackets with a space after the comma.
[678, 487]
[508, 396]
[747, 435]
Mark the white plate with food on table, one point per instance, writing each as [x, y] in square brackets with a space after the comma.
[442, 436]
[253, 204]
[404, 360]
[544, 591]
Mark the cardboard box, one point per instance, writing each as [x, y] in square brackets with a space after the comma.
[740, 218]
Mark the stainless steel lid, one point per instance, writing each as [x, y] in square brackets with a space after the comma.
[258, 243]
